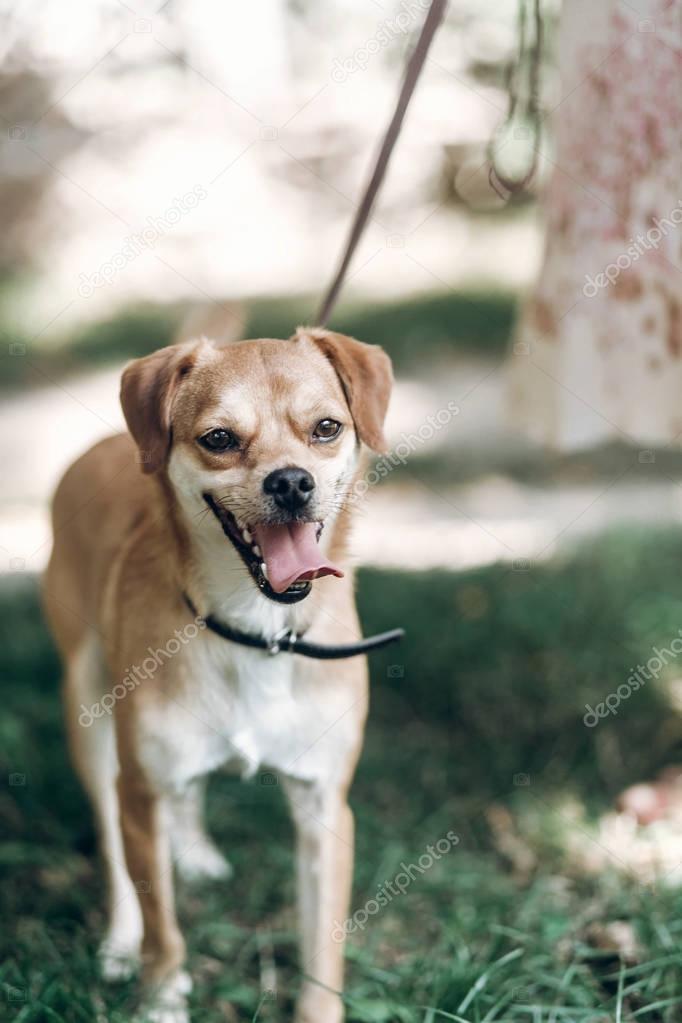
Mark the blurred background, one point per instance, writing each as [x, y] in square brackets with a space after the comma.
[195, 164]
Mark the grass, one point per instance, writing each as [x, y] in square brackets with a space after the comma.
[133, 332]
[536, 466]
[423, 328]
[488, 690]
[430, 327]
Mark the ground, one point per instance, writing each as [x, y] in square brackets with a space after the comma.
[476, 728]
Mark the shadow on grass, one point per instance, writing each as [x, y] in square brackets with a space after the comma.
[539, 467]
[488, 688]
[416, 330]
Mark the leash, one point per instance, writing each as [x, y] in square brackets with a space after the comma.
[288, 642]
[412, 72]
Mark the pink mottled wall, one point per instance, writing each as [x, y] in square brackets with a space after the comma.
[600, 357]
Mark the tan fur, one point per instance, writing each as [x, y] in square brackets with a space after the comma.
[131, 534]
[363, 370]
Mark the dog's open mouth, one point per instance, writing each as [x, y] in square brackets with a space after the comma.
[283, 558]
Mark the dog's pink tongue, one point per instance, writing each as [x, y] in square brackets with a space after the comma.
[291, 554]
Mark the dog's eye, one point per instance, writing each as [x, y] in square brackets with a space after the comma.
[218, 440]
[327, 429]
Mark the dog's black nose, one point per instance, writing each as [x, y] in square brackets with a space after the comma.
[290, 488]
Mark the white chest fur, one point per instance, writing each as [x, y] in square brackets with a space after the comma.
[232, 705]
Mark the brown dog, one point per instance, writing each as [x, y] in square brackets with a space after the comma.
[248, 455]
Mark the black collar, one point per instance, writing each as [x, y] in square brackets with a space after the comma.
[286, 641]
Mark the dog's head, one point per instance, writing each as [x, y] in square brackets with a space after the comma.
[266, 434]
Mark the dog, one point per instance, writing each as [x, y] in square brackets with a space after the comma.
[229, 502]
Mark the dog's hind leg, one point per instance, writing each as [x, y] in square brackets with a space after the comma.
[93, 749]
[195, 855]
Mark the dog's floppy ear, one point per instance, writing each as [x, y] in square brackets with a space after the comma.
[366, 377]
[148, 386]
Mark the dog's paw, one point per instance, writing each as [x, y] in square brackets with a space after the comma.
[118, 960]
[177, 1013]
[166, 1014]
[168, 1002]
[203, 862]
[315, 1004]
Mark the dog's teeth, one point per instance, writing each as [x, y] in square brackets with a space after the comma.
[247, 535]
[264, 569]
[256, 550]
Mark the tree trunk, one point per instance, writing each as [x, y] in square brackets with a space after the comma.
[598, 354]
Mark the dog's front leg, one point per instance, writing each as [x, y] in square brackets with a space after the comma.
[147, 849]
[324, 861]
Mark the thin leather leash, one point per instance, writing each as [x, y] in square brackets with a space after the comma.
[288, 642]
[413, 70]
